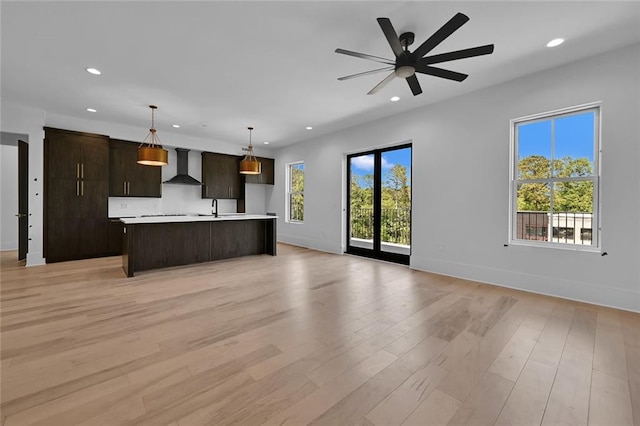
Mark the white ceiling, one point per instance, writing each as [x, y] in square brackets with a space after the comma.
[227, 65]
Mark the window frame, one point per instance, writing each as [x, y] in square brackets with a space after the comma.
[595, 245]
[290, 192]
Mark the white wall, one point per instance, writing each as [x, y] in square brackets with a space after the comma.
[29, 121]
[461, 165]
[8, 197]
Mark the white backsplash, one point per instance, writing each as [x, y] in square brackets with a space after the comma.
[175, 199]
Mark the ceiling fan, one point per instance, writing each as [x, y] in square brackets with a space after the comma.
[408, 63]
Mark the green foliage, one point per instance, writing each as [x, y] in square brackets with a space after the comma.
[297, 194]
[396, 206]
[574, 196]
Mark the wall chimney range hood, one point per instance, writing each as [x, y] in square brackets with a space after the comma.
[183, 177]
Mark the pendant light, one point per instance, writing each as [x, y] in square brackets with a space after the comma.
[250, 164]
[152, 154]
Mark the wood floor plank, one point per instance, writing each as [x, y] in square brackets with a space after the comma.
[303, 337]
[569, 399]
[408, 396]
[484, 403]
[610, 402]
[437, 409]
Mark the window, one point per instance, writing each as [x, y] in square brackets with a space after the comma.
[295, 192]
[555, 178]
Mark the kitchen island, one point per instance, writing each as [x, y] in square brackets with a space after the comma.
[161, 241]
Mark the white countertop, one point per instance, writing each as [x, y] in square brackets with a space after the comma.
[193, 218]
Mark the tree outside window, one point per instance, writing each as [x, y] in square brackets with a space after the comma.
[295, 192]
[555, 177]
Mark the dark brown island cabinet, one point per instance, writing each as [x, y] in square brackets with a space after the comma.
[127, 178]
[266, 177]
[160, 242]
[76, 192]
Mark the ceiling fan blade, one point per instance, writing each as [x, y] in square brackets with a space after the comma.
[438, 37]
[414, 85]
[391, 35]
[347, 77]
[458, 54]
[439, 72]
[365, 56]
[383, 83]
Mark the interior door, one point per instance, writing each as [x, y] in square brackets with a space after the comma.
[379, 199]
[23, 199]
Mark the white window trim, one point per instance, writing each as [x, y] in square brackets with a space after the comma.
[288, 193]
[597, 157]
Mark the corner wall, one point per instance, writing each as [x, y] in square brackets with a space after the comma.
[461, 163]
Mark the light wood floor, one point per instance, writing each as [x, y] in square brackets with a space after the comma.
[304, 337]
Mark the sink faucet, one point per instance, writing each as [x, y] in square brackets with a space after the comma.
[214, 207]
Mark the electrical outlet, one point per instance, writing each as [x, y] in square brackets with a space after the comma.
[123, 205]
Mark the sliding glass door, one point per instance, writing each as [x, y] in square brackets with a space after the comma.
[379, 200]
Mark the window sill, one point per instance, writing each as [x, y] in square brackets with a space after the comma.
[557, 246]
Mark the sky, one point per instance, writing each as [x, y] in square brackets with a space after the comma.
[574, 137]
[363, 164]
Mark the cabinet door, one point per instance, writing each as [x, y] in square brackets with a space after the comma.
[266, 176]
[118, 159]
[214, 171]
[127, 178]
[95, 158]
[63, 242]
[144, 181]
[64, 155]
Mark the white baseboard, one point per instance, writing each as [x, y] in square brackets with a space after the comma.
[580, 291]
[309, 243]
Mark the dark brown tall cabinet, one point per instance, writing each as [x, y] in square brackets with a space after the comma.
[221, 177]
[127, 178]
[76, 195]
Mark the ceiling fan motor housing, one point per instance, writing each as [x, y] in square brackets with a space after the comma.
[405, 65]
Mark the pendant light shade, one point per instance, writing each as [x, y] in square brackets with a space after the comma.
[150, 152]
[250, 164]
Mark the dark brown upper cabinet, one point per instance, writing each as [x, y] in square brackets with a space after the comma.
[127, 178]
[221, 176]
[266, 177]
[76, 194]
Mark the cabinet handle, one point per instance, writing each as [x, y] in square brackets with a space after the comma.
[229, 191]
[77, 170]
[82, 188]
[124, 187]
[128, 188]
[77, 188]
[82, 170]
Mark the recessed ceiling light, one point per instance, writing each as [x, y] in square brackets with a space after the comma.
[92, 110]
[395, 99]
[309, 128]
[177, 126]
[93, 71]
[266, 142]
[555, 42]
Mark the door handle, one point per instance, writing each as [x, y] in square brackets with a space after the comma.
[128, 188]
[77, 170]
[82, 188]
[124, 187]
[21, 215]
[82, 170]
[77, 188]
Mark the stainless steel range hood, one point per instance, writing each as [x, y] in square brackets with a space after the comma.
[183, 177]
